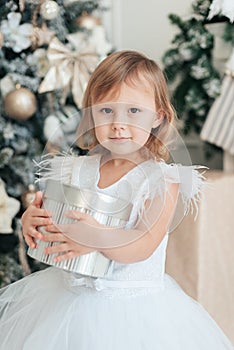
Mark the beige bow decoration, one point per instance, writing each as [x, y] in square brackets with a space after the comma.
[69, 70]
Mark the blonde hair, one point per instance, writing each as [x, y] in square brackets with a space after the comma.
[130, 67]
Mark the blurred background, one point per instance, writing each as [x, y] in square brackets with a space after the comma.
[48, 49]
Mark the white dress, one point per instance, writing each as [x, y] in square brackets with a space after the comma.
[137, 306]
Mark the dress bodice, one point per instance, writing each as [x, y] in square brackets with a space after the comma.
[132, 187]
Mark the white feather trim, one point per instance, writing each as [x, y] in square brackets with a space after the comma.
[56, 167]
[191, 183]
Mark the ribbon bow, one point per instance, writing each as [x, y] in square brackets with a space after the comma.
[69, 70]
[90, 282]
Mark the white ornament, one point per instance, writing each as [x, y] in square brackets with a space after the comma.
[222, 7]
[9, 207]
[49, 9]
[6, 85]
[228, 9]
[77, 40]
[53, 131]
[96, 38]
[39, 60]
[69, 117]
[16, 36]
[99, 41]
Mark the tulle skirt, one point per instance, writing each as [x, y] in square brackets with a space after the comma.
[42, 312]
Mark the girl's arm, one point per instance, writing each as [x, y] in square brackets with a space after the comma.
[152, 233]
[151, 229]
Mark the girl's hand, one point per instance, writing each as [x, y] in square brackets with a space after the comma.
[83, 217]
[33, 217]
[67, 249]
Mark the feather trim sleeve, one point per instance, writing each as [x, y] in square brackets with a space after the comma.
[192, 189]
[191, 182]
[55, 167]
[154, 184]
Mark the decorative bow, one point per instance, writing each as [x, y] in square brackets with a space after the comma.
[69, 70]
[90, 282]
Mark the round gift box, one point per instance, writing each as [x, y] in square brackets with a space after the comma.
[107, 210]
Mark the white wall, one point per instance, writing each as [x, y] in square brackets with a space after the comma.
[143, 25]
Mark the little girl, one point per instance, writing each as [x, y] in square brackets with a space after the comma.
[126, 120]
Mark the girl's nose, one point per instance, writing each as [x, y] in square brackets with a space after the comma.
[118, 126]
[119, 122]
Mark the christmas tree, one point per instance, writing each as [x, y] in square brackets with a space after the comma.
[48, 49]
[189, 63]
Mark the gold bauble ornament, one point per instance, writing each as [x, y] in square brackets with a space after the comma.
[49, 9]
[20, 104]
[87, 21]
[28, 196]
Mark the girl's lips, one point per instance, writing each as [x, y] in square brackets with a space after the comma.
[119, 139]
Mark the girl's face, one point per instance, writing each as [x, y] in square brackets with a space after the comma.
[123, 123]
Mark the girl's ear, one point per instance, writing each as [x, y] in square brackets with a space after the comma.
[159, 116]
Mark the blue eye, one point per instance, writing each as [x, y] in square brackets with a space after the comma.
[134, 110]
[107, 110]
